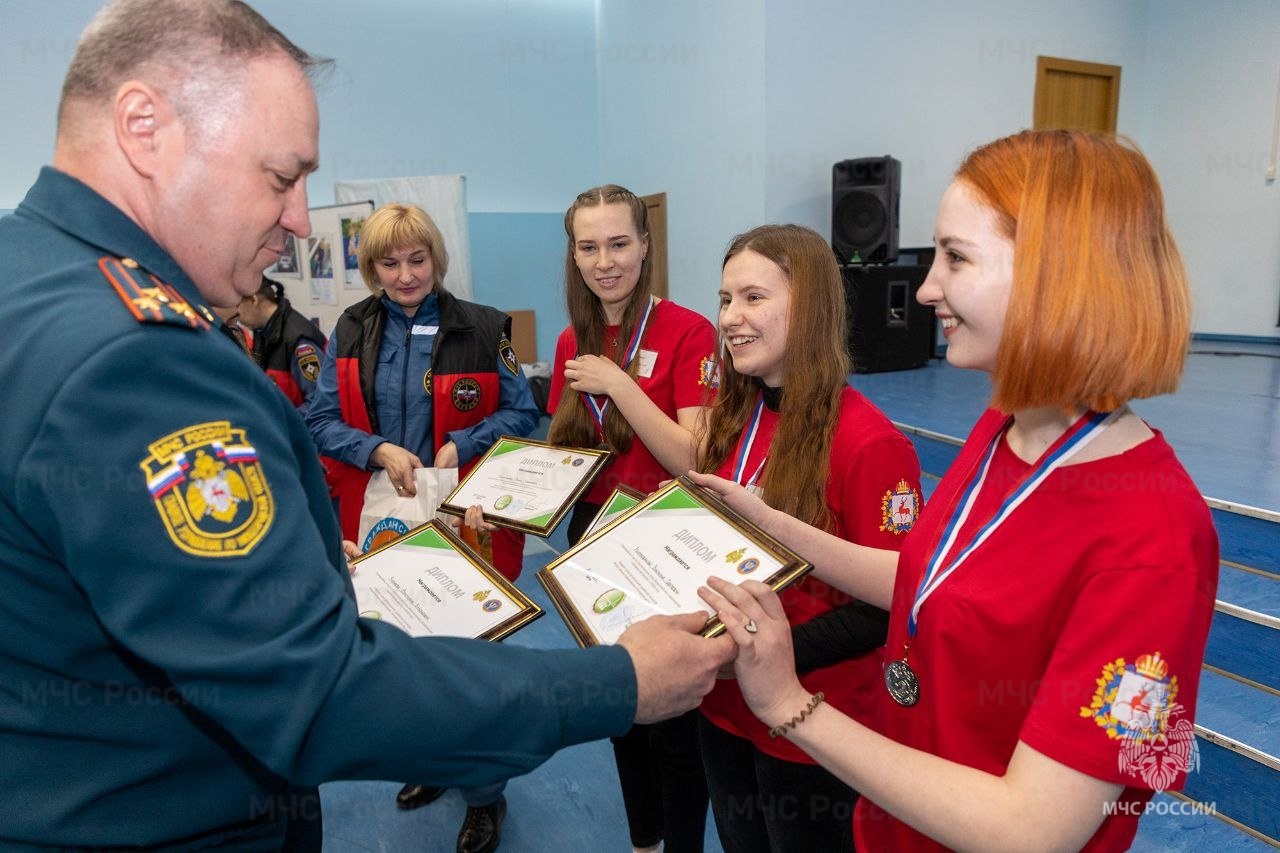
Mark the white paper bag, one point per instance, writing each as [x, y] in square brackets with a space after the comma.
[387, 514]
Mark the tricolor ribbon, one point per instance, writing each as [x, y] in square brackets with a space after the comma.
[597, 408]
[744, 451]
[1086, 428]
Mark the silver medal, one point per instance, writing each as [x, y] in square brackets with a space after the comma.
[903, 685]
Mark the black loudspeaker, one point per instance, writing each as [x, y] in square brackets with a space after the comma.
[888, 329]
[864, 209]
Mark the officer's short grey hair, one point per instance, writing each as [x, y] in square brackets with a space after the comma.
[192, 50]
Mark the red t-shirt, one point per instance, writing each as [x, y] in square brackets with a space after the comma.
[678, 354]
[1081, 617]
[873, 491]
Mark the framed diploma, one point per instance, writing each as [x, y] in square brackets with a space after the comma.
[430, 584]
[622, 499]
[651, 559]
[526, 485]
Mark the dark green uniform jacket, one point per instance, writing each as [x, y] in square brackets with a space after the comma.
[179, 639]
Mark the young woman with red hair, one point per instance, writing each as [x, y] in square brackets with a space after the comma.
[1049, 612]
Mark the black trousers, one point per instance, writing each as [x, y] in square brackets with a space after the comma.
[763, 804]
[581, 517]
[664, 788]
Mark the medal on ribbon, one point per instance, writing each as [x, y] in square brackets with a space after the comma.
[899, 678]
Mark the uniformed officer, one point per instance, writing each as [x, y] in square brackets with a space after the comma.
[181, 654]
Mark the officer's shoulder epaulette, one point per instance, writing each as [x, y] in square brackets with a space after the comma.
[148, 298]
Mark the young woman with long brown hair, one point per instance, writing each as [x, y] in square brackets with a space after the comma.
[634, 373]
[787, 425]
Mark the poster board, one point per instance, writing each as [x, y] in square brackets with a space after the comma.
[320, 275]
[443, 197]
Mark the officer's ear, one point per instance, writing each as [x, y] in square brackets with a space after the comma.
[147, 128]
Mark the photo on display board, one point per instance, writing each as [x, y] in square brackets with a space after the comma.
[350, 228]
[321, 255]
[287, 266]
[320, 263]
[351, 241]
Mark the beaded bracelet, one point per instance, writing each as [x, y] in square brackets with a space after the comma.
[814, 701]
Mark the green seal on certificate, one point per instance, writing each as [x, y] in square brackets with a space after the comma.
[608, 601]
[648, 555]
[527, 485]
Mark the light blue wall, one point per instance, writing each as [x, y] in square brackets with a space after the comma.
[517, 262]
[738, 108]
[923, 81]
[1212, 100]
[502, 92]
[681, 103]
[454, 87]
[37, 39]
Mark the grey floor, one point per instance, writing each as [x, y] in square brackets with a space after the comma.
[1225, 425]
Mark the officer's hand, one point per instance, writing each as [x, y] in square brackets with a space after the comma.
[399, 464]
[675, 665]
[447, 456]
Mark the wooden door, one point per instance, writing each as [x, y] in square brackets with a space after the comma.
[657, 207]
[1074, 94]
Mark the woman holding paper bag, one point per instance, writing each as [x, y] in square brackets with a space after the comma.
[1050, 611]
[787, 425]
[410, 374]
[634, 373]
[413, 373]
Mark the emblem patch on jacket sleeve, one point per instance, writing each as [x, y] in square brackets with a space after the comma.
[899, 508]
[709, 373]
[308, 361]
[1133, 699]
[508, 354]
[1135, 704]
[209, 489]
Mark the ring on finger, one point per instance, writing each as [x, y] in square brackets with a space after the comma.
[751, 627]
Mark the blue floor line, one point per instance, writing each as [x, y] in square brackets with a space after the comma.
[1224, 421]
[1252, 591]
[1241, 712]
